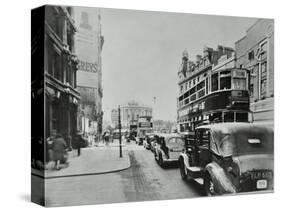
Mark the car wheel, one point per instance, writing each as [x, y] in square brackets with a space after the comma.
[161, 162]
[209, 186]
[182, 169]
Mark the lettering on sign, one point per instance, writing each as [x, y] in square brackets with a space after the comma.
[86, 66]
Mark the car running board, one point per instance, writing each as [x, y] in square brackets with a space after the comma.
[195, 171]
[199, 180]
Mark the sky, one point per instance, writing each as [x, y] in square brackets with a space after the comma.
[142, 54]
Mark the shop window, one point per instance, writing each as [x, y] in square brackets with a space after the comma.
[55, 116]
[215, 82]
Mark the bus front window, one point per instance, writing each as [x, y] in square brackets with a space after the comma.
[239, 83]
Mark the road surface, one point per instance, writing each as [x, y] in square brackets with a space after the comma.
[143, 181]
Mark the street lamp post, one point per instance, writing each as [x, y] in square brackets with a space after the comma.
[120, 136]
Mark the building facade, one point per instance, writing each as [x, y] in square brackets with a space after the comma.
[130, 113]
[60, 66]
[255, 51]
[194, 83]
[89, 42]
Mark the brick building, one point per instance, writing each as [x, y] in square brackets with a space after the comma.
[255, 51]
[60, 66]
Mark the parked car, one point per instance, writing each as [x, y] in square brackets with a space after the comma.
[168, 149]
[148, 139]
[229, 158]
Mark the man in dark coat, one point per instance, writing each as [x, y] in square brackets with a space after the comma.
[78, 142]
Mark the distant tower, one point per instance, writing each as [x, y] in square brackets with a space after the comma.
[184, 62]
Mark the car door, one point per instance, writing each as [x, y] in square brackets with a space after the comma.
[175, 147]
[203, 156]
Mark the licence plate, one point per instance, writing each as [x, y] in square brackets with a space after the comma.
[261, 184]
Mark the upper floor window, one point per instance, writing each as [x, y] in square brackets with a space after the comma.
[251, 55]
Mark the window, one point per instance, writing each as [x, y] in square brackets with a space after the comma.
[252, 90]
[201, 93]
[207, 85]
[215, 82]
[251, 55]
[228, 117]
[239, 83]
[50, 59]
[192, 91]
[203, 137]
[263, 79]
[186, 101]
[193, 97]
[200, 85]
[225, 80]
[264, 47]
[242, 117]
[57, 66]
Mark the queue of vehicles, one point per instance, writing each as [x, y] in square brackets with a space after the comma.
[225, 158]
[219, 147]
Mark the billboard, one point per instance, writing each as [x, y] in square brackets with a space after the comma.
[87, 46]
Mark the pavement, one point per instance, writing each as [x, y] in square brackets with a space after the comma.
[92, 161]
[145, 180]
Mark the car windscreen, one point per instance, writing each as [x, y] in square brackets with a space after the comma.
[176, 141]
[245, 141]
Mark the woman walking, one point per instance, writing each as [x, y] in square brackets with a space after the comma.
[59, 146]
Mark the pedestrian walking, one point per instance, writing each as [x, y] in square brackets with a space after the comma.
[49, 147]
[59, 148]
[106, 138]
[78, 142]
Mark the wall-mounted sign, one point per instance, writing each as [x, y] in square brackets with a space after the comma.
[86, 66]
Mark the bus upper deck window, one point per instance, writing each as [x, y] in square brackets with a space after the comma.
[225, 80]
[215, 82]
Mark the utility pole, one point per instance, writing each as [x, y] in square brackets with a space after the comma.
[120, 136]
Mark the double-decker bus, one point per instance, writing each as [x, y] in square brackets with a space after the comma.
[145, 125]
[222, 96]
